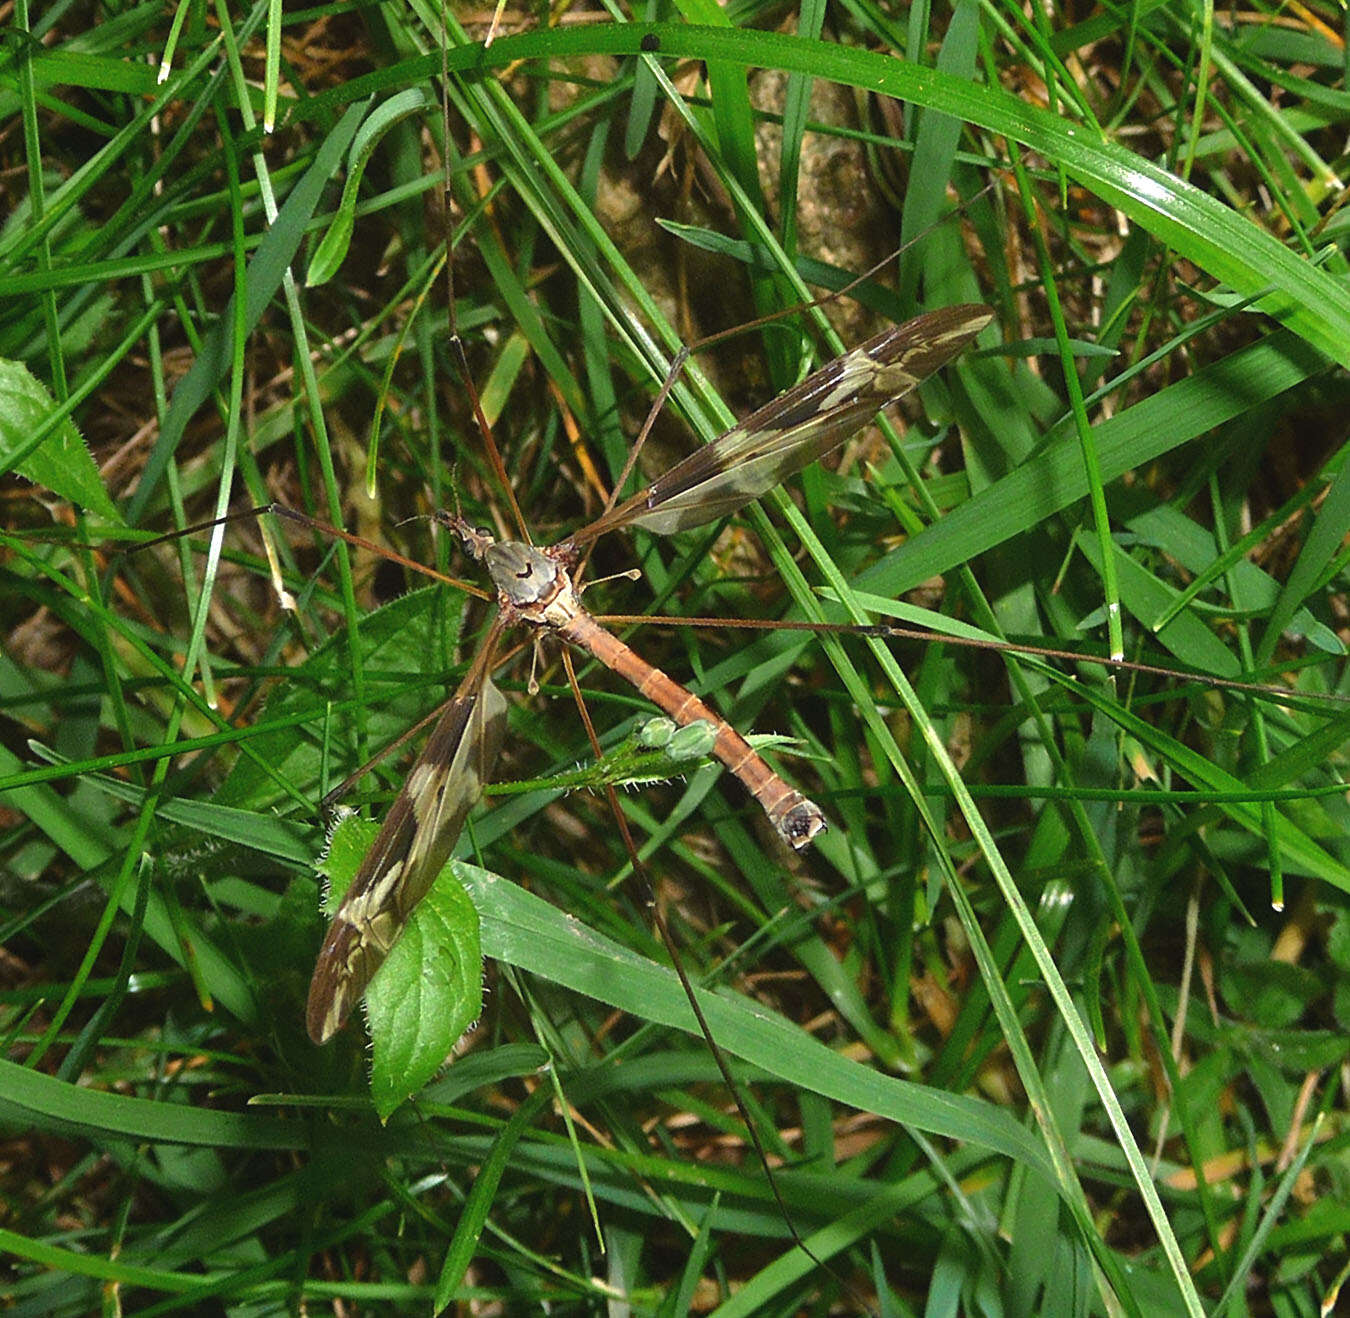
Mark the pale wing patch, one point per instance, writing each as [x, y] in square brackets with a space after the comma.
[442, 800]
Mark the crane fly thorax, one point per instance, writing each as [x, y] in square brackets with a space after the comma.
[531, 582]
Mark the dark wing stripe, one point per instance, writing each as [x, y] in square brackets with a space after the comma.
[798, 427]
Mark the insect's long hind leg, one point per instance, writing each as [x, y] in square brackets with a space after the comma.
[672, 948]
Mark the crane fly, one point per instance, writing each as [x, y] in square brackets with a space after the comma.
[536, 588]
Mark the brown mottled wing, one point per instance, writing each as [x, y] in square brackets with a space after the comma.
[411, 847]
[798, 427]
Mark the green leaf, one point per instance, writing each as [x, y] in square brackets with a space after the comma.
[40, 442]
[430, 988]
[332, 249]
